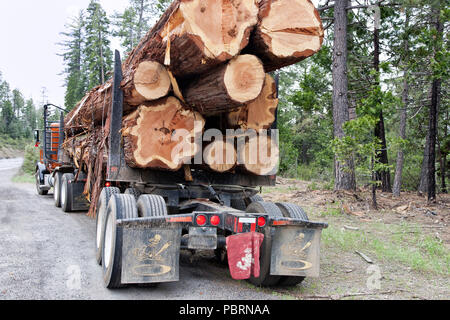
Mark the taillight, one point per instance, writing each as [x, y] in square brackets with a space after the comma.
[215, 220]
[201, 220]
[262, 221]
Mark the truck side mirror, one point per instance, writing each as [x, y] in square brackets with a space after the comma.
[36, 138]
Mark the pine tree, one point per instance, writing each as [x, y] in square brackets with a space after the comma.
[97, 50]
[30, 118]
[73, 58]
[125, 29]
[135, 21]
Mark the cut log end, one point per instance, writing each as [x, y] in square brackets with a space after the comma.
[223, 26]
[152, 80]
[160, 135]
[244, 78]
[220, 156]
[289, 31]
[259, 114]
[261, 156]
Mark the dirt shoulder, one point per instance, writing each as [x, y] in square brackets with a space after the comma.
[7, 152]
[406, 242]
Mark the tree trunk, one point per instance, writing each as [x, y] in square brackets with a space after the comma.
[288, 32]
[403, 114]
[423, 183]
[432, 128]
[259, 114]
[435, 102]
[158, 135]
[442, 166]
[344, 170]
[226, 88]
[383, 175]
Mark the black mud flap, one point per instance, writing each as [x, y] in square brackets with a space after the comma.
[79, 201]
[296, 252]
[150, 255]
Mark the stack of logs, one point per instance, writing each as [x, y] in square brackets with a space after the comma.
[205, 65]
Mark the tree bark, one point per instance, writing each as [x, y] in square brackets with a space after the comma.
[344, 170]
[423, 183]
[435, 101]
[259, 114]
[226, 88]
[382, 157]
[158, 135]
[288, 32]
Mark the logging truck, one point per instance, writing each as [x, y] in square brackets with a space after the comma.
[118, 155]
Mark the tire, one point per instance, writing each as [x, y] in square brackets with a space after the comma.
[134, 192]
[66, 192]
[39, 190]
[242, 204]
[57, 189]
[102, 207]
[290, 210]
[121, 206]
[238, 204]
[265, 279]
[151, 206]
[255, 198]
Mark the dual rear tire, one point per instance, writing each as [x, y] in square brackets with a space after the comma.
[278, 210]
[114, 206]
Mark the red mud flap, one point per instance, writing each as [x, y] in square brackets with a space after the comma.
[243, 255]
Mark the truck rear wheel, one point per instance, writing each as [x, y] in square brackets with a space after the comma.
[134, 192]
[290, 210]
[151, 206]
[121, 206]
[243, 203]
[265, 279]
[102, 207]
[57, 189]
[39, 190]
[66, 192]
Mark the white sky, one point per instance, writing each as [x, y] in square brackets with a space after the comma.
[29, 33]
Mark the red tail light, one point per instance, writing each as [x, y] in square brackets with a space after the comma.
[262, 221]
[201, 220]
[215, 220]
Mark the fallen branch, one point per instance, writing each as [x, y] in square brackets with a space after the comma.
[368, 260]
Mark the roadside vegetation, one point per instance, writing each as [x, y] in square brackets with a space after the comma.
[27, 171]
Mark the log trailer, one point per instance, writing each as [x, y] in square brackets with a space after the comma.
[145, 217]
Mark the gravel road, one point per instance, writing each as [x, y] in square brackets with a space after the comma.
[46, 254]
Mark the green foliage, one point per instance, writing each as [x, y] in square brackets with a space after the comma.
[74, 58]
[98, 54]
[17, 116]
[30, 159]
